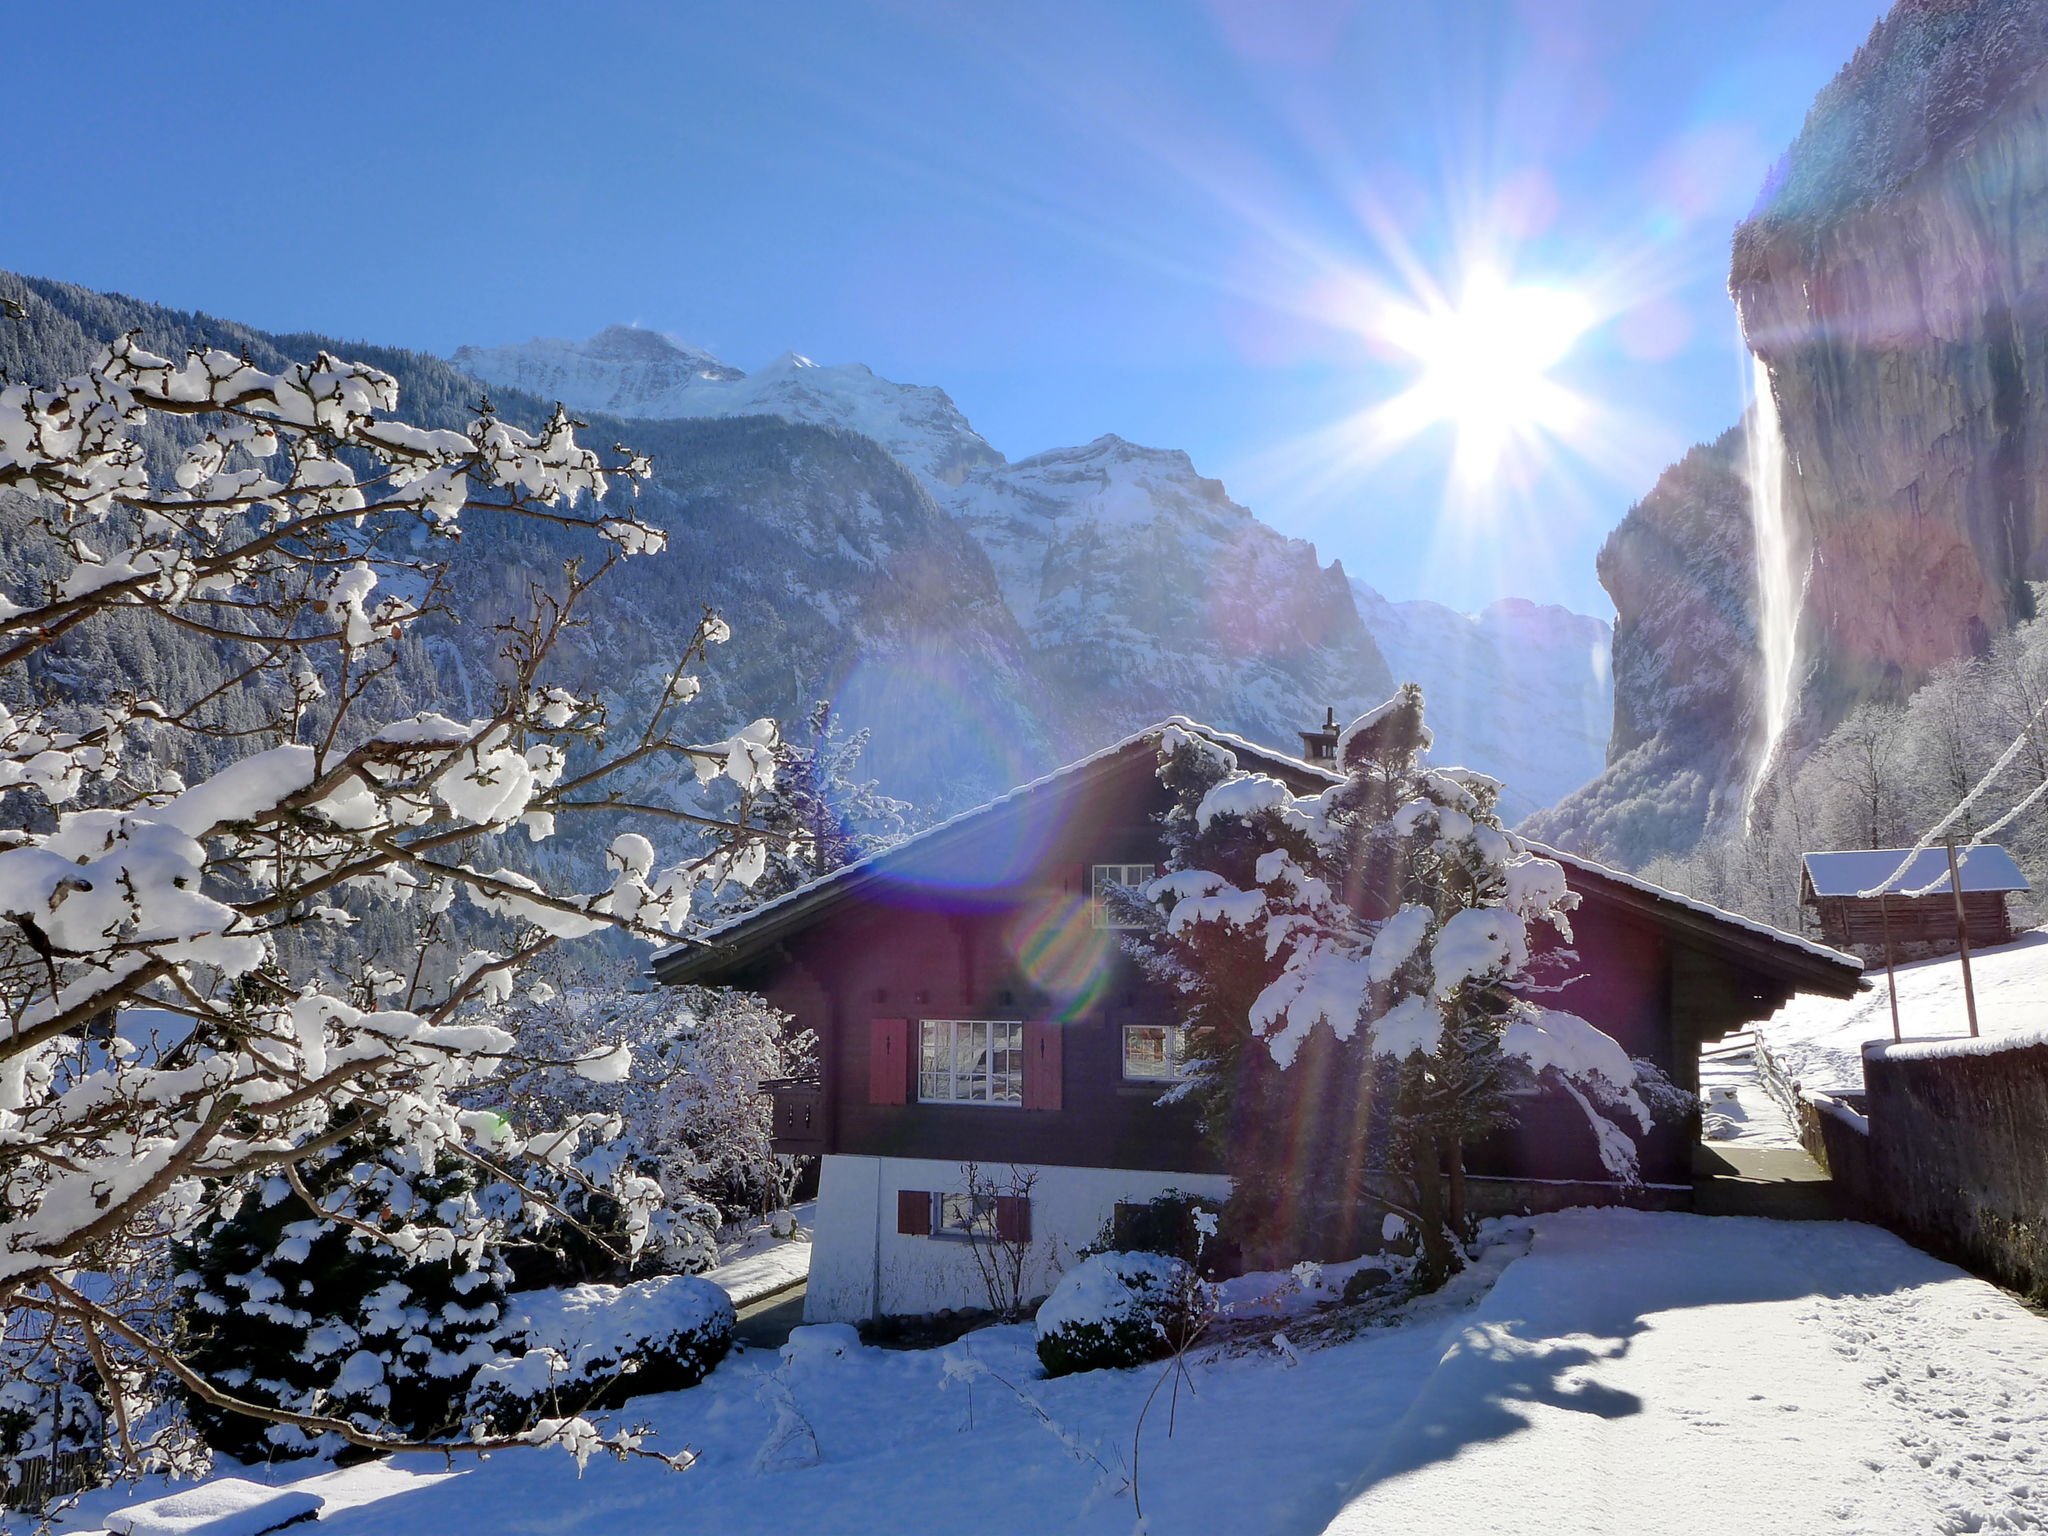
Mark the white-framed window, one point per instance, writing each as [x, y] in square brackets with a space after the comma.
[1102, 878]
[1153, 1052]
[970, 1061]
[968, 1216]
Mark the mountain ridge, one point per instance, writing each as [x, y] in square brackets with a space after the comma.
[1140, 584]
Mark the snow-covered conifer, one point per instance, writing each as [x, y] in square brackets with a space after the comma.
[1356, 967]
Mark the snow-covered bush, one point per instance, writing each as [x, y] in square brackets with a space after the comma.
[1174, 1223]
[593, 1346]
[676, 1074]
[158, 851]
[1119, 1309]
[305, 1306]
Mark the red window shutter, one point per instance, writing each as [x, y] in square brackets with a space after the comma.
[888, 1061]
[1013, 1218]
[914, 1212]
[1041, 1064]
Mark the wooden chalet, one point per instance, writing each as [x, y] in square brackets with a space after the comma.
[1918, 913]
[976, 1010]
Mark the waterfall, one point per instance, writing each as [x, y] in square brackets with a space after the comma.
[1777, 576]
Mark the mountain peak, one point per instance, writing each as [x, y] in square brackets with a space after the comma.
[631, 371]
[633, 343]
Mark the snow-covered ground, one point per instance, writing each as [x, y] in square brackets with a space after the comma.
[1819, 1040]
[1647, 1371]
[763, 1260]
[1629, 1372]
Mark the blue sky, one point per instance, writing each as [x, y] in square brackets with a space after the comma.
[1149, 217]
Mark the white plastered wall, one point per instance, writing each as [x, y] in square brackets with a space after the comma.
[862, 1267]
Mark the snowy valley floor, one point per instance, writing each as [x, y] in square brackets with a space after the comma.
[1600, 1371]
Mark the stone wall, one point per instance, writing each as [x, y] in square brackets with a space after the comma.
[1958, 1152]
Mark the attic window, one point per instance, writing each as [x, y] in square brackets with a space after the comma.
[1104, 878]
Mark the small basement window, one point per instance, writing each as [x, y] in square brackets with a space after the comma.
[970, 1061]
[1103, 878]
[1153, 1052]
[968, 1216]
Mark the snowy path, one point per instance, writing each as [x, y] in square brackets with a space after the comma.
[1631, 1373]
[1652, 1372]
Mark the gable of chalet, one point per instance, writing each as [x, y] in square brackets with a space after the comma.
[1775, 962]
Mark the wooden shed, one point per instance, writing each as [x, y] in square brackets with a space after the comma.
[1919, 909]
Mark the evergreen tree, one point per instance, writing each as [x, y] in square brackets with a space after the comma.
[1349, 964]
[819, 814]
[309, 1309]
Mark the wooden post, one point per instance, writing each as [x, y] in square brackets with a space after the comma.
[1955, 886]
[1891, 979]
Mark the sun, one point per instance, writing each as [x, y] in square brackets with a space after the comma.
[1483, 364]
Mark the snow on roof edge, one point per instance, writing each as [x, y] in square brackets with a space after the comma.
[1234, 742]
[1705, 908]
[1963, 1045]
[847, 871]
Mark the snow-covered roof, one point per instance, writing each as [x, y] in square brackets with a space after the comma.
[1987, 867]
[848, 875]
[1704, 908]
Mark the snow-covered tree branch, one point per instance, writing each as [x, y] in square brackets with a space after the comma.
[152, 854]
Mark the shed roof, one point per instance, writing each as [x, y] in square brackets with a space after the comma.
[1986, 867]
[1799, 960]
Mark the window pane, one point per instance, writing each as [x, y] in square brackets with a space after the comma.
[1151, 1051]
[971, 1061]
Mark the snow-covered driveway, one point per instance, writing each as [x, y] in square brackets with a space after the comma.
[1661, 1373]
[1627, 1372]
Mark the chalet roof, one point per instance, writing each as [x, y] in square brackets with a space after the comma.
[1986, 867]
[1808, 965]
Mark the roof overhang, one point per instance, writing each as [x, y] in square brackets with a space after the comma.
[1799, 963]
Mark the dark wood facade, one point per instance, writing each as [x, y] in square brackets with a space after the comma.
[988, 918]
[1919, 925]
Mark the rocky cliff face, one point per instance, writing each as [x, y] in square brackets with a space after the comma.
[1681, 568]
[1520, 690]
[1895, 280]
[1146, 591]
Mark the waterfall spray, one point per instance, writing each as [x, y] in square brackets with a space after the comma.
[1777, 577]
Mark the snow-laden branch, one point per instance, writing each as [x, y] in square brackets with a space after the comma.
[299, 533]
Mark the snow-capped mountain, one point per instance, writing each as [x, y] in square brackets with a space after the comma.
[1519, 690]
[1139, 586]
[1145, 591]
[627, 371]
[623, 369]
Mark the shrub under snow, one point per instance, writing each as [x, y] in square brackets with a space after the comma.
[1118, 1309]
[597, 1345]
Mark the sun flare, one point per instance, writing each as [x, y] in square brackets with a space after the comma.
[1483, 366]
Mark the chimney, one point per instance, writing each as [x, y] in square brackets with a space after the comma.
[1320, 747]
